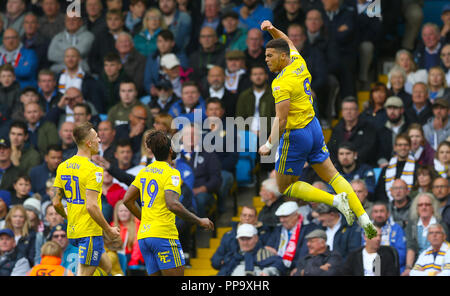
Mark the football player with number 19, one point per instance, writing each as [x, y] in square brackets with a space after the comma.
[301, 134]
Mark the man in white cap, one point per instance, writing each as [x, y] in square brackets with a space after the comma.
[251, 258]
[288, 240]
[170, 65]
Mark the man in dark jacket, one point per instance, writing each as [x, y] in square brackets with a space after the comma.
[272, 199]
[35, 40]
[8, 171]
[372, 259]
[341, 237]
[291, 13]
[206, 167]
[320, 261]
[427, 53]
[352, 129]
[11, 262]
[420, 110]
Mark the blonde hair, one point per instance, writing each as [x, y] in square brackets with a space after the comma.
[441, 72]
[413, 210]
[410, 56]
[26, 225]
[166, 120]
[151, 10]
[51, 248]
[130, 224]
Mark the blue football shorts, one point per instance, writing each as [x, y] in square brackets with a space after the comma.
[90, 249]
[161, 253]
[298, 146]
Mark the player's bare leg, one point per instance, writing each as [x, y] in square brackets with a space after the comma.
[88, 270]
[177, 271]
[327, 172]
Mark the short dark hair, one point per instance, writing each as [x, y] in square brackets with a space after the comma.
[29, 89]
[81, 132]
[214, 100]
[381, 203]
[7, 68]
[123, 143]
[403, 136]
[53, 147]
[23, 176]
[111, 57]
[257, 66]
[127, 81]
[85, 106]
[159, 143]
[279, 45]
[190, 83]
[166, 34]
[19, 124]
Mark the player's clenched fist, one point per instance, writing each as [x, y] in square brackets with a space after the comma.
[266, 25]
[206, 223]
[113, 233]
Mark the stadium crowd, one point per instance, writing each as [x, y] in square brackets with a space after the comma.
[128, 66]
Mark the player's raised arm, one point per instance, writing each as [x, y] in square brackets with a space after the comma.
[176, 207]
[129, 201]
[275, 33]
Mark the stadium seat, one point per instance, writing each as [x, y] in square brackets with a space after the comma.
[247, 142]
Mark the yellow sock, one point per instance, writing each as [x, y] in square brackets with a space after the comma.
[340, 185]
[307, 192]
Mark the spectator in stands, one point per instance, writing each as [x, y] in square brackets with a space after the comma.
[233, 37]
[128, 225]
[255, 52]
[404, 59]
[440, 189]
[58, 235]
[23, 155]
[360, 188]
[105, 41]
[41, 133]
[52, 22]
[165, 44]
[442, 159]
[15, 263]
[340, 236]
[252, 13]
[135, 128]
[74, 33]
[110, 78]
[424, 212]
[14, 16]
[290, 13]
[51, 218]
[107, 135]
[445, 61]
[229, 245]
[82, 113]
[114, 4]
[47, 88]
[427, 54]
[51, 262]
[424, 180]
[320, 261]
[421, 108]
[22, 190]
[9, 171]
[69, 148]
[216, 88]
[445, 17]
[252, 258]
[191, 100]
[272, 200]
[33, 208]
[257, 101]
[340, 23]
[35, 40]
[396, 84]
[288, 239]
[375, 112]
[362, 261]
[134, 17]
[211, 52]
[351, 169]
[28, 95]
[95, 18]
[113, 192]
[24, 60]
[392, 234]
[225, 145]
[123, 154]
[437, 86]
[236, 77]
[209, 16]
[46, 170]
[206, 167]
[17, 221]
[9, 90]
[133, 62]
[437, 128]
[5, 202]
[163, 122]
[145, 39]
[433, 261]
[119, 113]
[401, 166]
[172, 71]
[74, 76]
[164, 99]
[394, 125]
[179, 22]
[352, 129]
[420, 148]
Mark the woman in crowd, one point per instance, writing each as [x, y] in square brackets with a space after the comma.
[424, 180]
[376, 113]
[437, 85]
[442, 160]
[420, 148]
[397, 80]
[405, 60]
[145, 41]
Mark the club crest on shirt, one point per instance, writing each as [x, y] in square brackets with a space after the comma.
[276, 88]
[98, 177]
[175, 180]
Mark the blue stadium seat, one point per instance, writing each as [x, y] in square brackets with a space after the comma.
[247, 143]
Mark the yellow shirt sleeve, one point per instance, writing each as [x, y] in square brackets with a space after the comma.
[173, 182]
[95, 179]
[281, 89]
